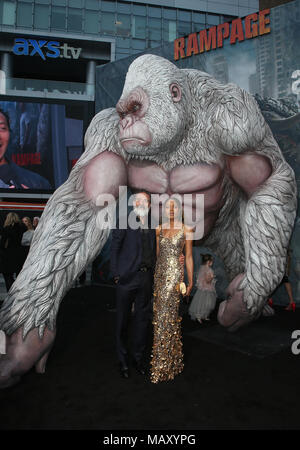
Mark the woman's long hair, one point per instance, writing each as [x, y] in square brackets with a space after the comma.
[11, 219]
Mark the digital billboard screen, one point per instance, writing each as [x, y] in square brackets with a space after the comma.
[39, 144]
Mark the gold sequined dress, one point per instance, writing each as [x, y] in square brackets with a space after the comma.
[167, 356]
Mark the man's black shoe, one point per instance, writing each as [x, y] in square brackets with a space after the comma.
[140, 369]
[124, 372]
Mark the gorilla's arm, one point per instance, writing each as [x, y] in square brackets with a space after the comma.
[267, 213]
[69, 235]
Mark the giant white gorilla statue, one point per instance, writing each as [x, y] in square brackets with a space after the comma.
[172, 131]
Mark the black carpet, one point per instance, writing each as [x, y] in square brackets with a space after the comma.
[246, 380]
[263, 338]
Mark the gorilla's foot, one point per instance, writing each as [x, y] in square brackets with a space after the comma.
[21, 355]
[233, 312]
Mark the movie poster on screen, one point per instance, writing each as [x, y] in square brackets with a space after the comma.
[43, 145]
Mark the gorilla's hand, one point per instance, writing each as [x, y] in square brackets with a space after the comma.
[21, 355]
[233, 312]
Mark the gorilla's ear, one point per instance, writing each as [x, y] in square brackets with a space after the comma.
[175, 92]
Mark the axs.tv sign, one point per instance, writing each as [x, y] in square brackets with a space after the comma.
[45, 49]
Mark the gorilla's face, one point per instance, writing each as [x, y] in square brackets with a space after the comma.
[152, 119]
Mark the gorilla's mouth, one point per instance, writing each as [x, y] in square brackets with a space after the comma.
[134, 140]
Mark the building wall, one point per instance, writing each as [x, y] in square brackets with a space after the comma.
[263, 4]
[134, 24]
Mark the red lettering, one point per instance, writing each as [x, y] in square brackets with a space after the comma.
[179, 48]
[37, 159]
[192, 45]
[236, 31]
[223, 27]
[251, 29]
[263, 21]
[210, 42]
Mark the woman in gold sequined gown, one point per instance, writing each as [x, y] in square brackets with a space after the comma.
[171, 238]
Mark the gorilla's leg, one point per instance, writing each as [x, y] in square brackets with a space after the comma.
[70, 234]
[263, 226]
[226, 241]
[21, 355]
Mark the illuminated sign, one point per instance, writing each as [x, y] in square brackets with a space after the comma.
[49, 49]
[254, 25]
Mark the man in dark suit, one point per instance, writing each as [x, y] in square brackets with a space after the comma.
[132, 265]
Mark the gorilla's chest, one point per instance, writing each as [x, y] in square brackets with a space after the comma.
[197, 178]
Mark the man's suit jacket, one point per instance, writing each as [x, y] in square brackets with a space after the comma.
[126, 253]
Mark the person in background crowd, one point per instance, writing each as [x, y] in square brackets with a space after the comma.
[204, 300]
[27, 236]
[11, 249]
[35, 222]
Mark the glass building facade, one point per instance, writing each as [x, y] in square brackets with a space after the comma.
[134, 25]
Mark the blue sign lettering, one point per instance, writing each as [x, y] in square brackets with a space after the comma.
[54, 49]
[37, 47]
[52, 46]
[20, 47]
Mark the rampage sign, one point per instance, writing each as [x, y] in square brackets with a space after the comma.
[251, 26]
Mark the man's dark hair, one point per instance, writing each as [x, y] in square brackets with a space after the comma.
[6, 117]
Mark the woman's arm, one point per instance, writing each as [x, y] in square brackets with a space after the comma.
[189, 262]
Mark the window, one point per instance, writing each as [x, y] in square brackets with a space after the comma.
[138, 10]
[185, 16]
[58, 18]
[108, 25]
[108, 6]
[92, 4]
[59, 2]
[153, 11]
[124, 8]
[154, 26]
[91, 22]
[138, 44]
[121, 55]
[169, 13]
[153, 44]
[213, 19]
[184, 28]
[197, 27]
[24, 15]
[123, 43]
[138, 29]
[198, 17]
[8, 13]
[74, 19]
[41, 17]
[76, 3]
[123, 25]
[169, 30]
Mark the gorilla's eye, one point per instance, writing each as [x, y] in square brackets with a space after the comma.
[135, 107]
